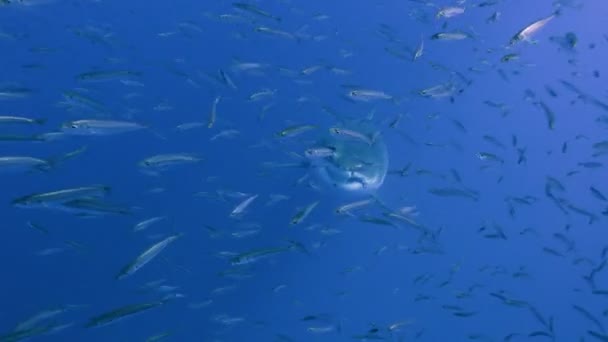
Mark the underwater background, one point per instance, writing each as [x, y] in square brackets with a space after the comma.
[289, 170]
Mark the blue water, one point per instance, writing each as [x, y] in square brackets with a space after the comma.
[469, 268]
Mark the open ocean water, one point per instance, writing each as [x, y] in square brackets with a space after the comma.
[301, 171]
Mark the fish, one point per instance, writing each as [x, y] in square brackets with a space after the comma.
[226, 134]
[14, 93]
[450, 12]
[121, 313]
[189, 125]
[590, 165]
[296, 130]
[106, 75]
[548, 114]
[158, 337]
[455, 35]
[439, 91]
[92, 207]
[320, 152]
[303, 213]
[77, 100]
[490, 157]
[584, 312]
[145, 224]
[12, 119]
[598, 194]
[347, 208]
[38, 318]
[599, 336]
[367, 95]
[509, 57]
[146, 256]
[60, 196]
[254, 10]
[275, 32]
[241, 207]
[161, 162]
[527, 32]
[354, 134]
[23, 163]
[226, 79]
[264, 93]
[258, 254]
[455, 192]
[100, 127]
[213, 113]
[420, 50]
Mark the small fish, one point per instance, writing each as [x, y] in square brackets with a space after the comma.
[456, 35]
[320, 152]
[598, 194]
[509, 57]
[39, 317]
[347, 208]
[353, 134]
[23, 163]
[439, 91]
[48, 199]
[162, 162]
[14, 93]
[303, 213]
[106, 75]
[420, 50]
[241, 207]
[494, 17]
[321, 329]
[264, 93]
[548, 114]
[254, 10]
[258, 254]
[99, 127]
[225, 78]
[189, 125]
[454, 192]
[310, 70]
[527, 32]
[293, 131]
[275, 32]
[213, 113]
[245, 233]
[92, 207]
[367, 95]
[449, 12]
[276, 198]
[121, 313]
[590, 165]
[11, 119]
[158, 337]
[226, 134]
[145, 224]
[148, 255]
[491, 157]
[494, 141]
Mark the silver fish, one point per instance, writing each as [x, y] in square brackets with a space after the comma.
[100, 127]
[146, 256]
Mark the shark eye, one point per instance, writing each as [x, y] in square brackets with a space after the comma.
[74, 125]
